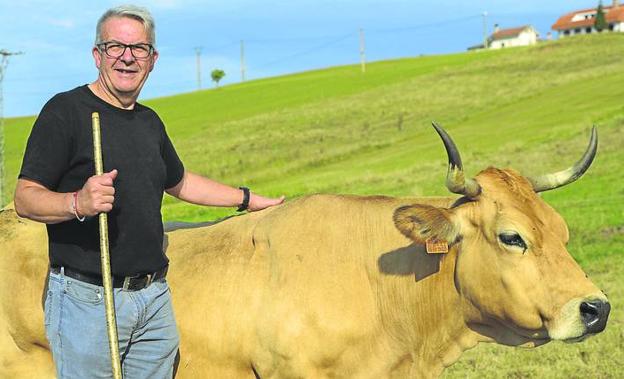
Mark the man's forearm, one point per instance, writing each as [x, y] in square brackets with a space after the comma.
[199, 190]
[40, 204]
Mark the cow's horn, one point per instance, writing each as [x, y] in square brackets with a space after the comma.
[455, 180]
[561, 178]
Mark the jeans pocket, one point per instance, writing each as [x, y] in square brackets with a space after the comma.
[83, 292]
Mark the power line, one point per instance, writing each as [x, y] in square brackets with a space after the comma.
[428, 25]
[221, 47]
[292, 39]
[308, 51]
[333, 37]
[382, 30]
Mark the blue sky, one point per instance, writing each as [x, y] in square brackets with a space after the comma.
[280, 37]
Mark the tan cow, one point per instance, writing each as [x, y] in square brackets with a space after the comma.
[343, 286]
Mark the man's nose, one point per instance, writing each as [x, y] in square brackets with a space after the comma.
[127, 56]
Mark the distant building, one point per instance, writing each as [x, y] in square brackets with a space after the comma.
[582, 22]
[520, 36]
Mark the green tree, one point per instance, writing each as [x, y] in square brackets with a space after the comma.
[600, 23]
[216, 76]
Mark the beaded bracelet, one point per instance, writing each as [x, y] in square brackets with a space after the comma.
[75, 207]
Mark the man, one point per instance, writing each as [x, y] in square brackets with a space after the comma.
[57, 186]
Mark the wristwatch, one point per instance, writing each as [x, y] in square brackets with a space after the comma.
[245, 204]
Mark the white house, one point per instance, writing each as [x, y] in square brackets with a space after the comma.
[520, 36]
[582, 21]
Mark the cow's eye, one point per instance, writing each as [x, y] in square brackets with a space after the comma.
[512, 239]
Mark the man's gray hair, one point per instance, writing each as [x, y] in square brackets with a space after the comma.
[131, 11]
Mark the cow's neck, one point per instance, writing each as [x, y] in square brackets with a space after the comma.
[429, 328]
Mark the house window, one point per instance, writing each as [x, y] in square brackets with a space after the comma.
[611, 26]
[588, 29]
[577, 30]
[566, 32]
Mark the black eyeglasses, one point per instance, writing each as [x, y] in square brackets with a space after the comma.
[117, 49]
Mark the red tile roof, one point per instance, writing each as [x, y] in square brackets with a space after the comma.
[611, 15]
[508, 33]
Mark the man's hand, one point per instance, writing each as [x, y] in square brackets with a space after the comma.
[97, 195]
[257, 202]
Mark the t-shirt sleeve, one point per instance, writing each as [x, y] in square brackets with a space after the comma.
[175, 168]
[47, 153]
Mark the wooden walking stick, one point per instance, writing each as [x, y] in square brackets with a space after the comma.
[111, 322]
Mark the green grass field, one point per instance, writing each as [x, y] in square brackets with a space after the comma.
[339, 131]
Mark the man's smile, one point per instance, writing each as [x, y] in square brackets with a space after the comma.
[126, 70]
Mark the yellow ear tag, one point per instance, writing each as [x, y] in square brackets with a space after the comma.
[435, 246]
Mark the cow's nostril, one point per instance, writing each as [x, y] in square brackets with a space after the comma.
[589, 312]
[595, 314]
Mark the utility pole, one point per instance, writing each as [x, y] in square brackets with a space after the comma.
[362, 51]
[198, 59]
[485, 41]
[3, 65]
[242, 60]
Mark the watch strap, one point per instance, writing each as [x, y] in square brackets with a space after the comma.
[245, 204]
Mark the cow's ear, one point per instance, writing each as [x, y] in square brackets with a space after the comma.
[421, 222]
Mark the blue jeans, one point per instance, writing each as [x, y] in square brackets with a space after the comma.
[75, 323]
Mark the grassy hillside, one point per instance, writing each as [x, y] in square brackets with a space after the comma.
[339, 131]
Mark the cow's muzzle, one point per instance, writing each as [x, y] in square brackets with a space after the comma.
[594, 315]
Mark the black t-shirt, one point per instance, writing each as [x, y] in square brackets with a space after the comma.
[59, 155]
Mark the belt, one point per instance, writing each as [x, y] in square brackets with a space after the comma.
[128, 283]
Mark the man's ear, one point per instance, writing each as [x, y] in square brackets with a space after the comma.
[421, 222]
[97, 57]
[154, 59]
